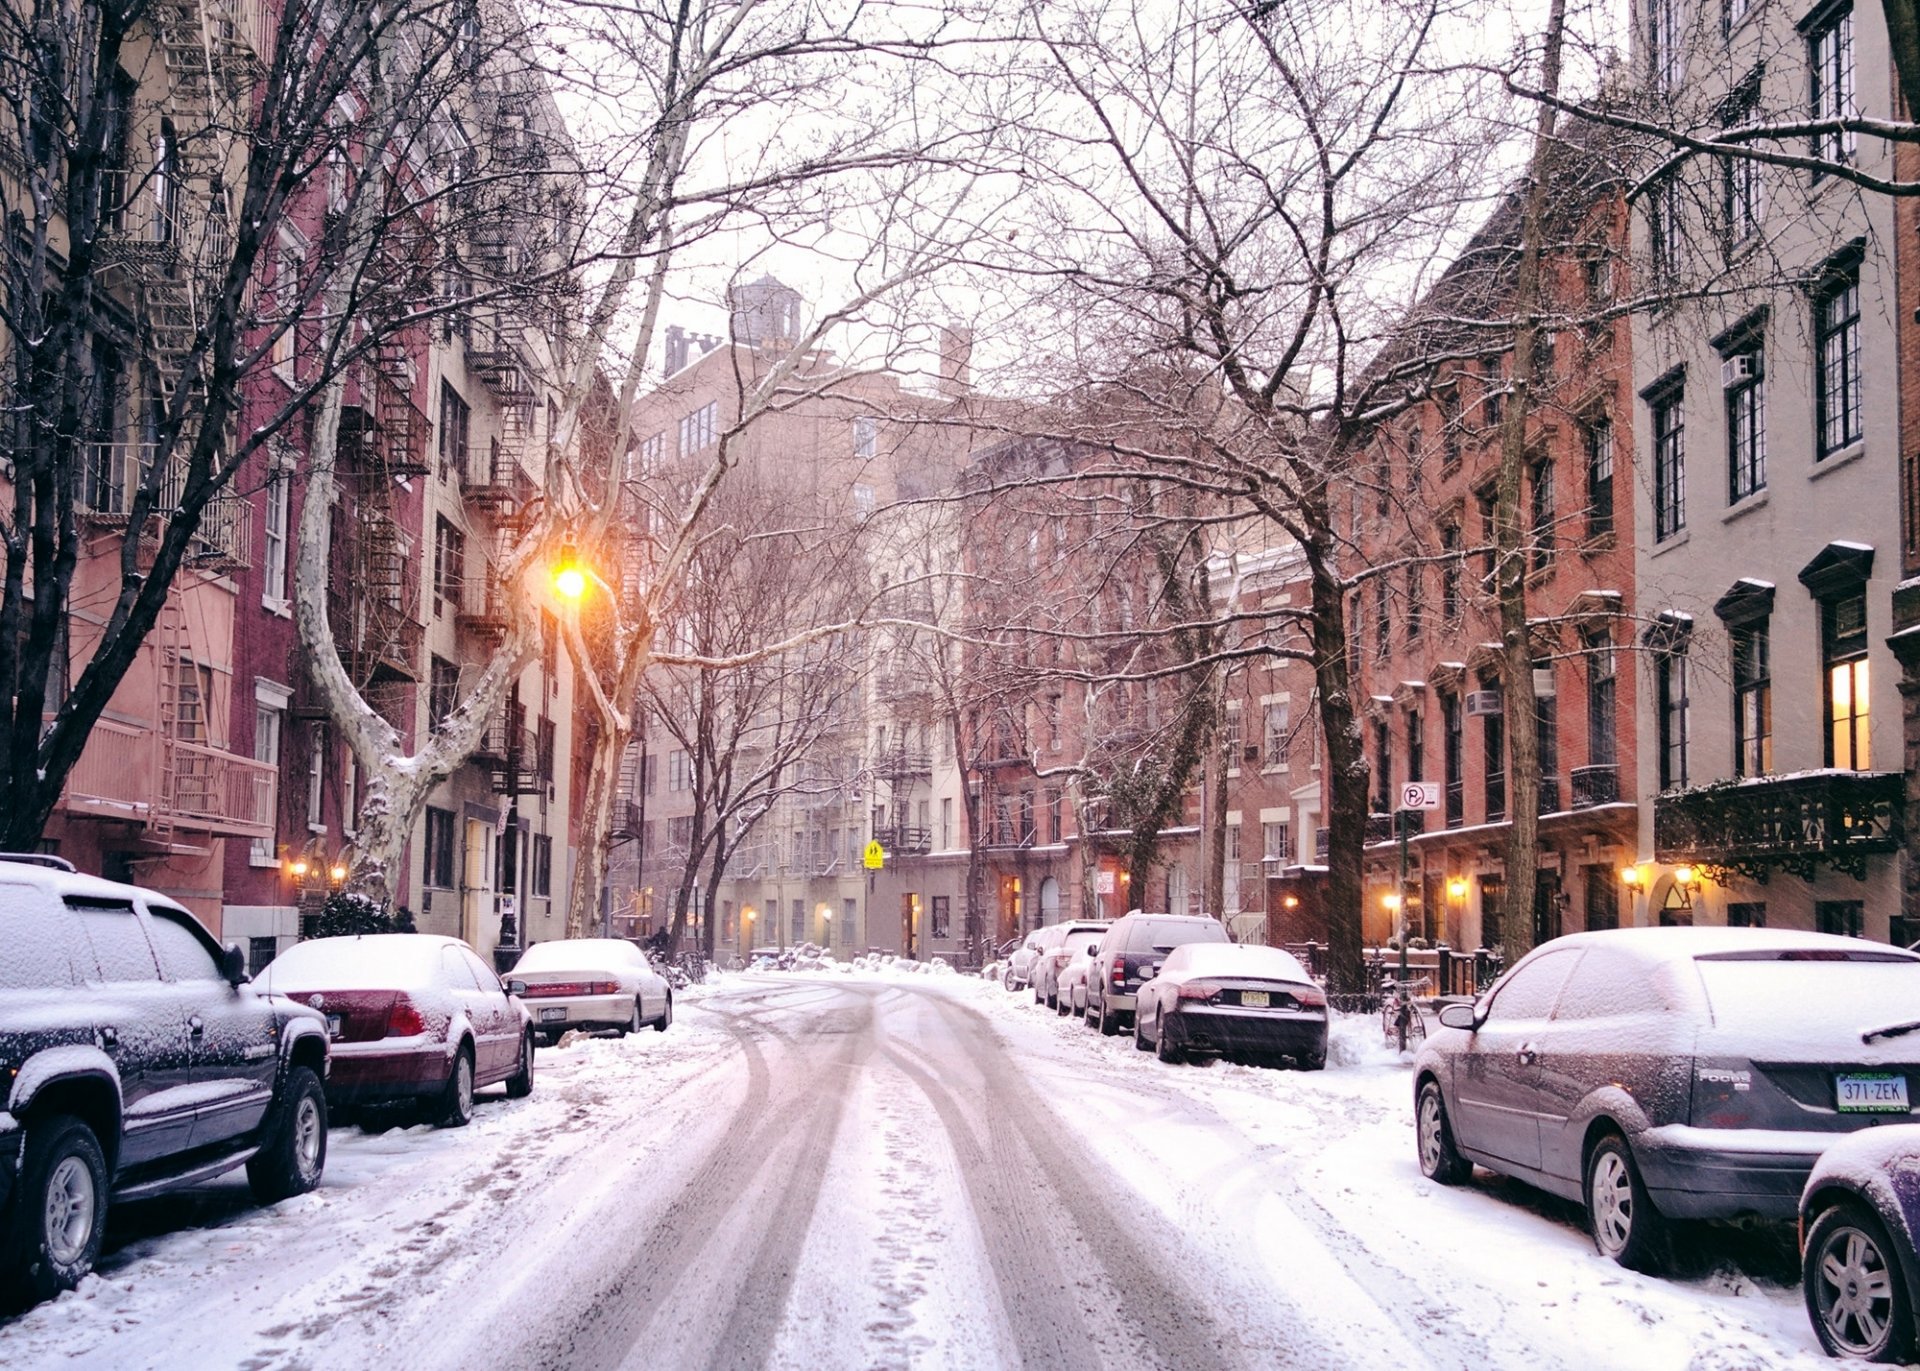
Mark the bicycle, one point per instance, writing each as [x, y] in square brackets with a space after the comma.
[1400, 1017]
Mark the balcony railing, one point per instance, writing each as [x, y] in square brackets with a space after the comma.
[483, 606]
[1549, 795]
[1790, 823]
[494, 476]
[1380, 827]
[136, 774]
[905, 841]
[111, 477]
[625, 820]
[377, 639]
[1595, 785]
[902, 762]
[898, 686]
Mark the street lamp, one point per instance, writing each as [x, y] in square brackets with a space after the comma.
[1457, 888]
[337, 873]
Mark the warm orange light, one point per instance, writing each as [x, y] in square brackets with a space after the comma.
[1291, 902]
[338, 873]
[299, 869]
[1391, 900]
[569, 577]
[1685, 876]
[1457, 888]
[1633, 876]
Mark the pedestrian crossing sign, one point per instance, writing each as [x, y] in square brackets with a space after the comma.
[876, 855]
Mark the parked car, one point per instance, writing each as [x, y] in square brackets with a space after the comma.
[1130, 952]
[1020, 965]
[1859, 1214]
[1657, 1073]
[1232, 1000]
[134, 1057]
[1074, 935]
[592, 983]
[1070, 985]
[413, 1018]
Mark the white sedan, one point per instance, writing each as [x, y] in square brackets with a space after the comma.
[592, 983]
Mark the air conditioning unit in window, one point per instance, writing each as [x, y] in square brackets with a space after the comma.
[1481, 703]
[1739, 369]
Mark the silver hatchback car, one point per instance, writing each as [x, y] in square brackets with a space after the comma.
[1657, 1073]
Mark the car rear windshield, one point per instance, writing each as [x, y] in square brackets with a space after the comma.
[1826, 1002]
[575, 954]
[1172, 933]
[1083, 937]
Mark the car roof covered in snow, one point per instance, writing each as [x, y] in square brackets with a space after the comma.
[367, 961]
[564, 953]
[1675, 944]
[1234, 959]
[62, 884]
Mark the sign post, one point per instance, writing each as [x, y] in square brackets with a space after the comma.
[1414, 795]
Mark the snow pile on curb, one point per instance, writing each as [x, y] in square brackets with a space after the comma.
[1356, 1040]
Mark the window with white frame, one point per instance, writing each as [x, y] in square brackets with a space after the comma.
[269, 715]
[1743, 373]
[863, 499]
[1276, 841]
[866, 437]
[1836, 379]
[1666, 63]
[1230, 876]
[679, 773]
[279, 500]
[1277, 722]
[697, 428]
[316, 775]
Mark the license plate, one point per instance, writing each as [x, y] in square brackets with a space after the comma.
[1254, 999]
[1871, 1094]
[553, 1016]
[333, 1025]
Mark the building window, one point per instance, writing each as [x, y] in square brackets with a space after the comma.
[316, 775]
[540, 879]
[1669, 463]
[696, 429]
[1830, 66]
[1450, 571]
[1747, 914]
[1752, 652]
[1837, 362]
[279, 496]
[1276, 727]
[1488, 534]
[1382, 626]
[1744, 372]
[1602, 698]
[863, 500]
[1845, 918]
[1740, 198]
[456, 423]
[1453, 759]
[443, 690]
[1673, 716]
[449, 567]
[1844, 651]
[1666, 226]
[267, 720]
[1665, 63]
[1382, 767]
[942, 916]
[1276, 842]
[1603, 898]
[439, 872]
[260, 954]
[1493, 758]
[1491, 392]
[1546, 724]
[945, 841]
[679, 774]
[1416, 602]
[1543, 514]
[1416, 746]
[1598, 437]
[866, 437]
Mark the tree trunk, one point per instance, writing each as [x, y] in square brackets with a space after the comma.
[1345, 779]
[1214, 888]
[596, 825]
[1512, 543]
[1903, 36]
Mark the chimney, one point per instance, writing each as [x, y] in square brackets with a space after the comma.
[676, 350]
[956, 360]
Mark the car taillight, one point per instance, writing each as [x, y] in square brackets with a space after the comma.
[603, 987]
[1312, 999]
[404, 1021]
[1199, 990]
[1119, 970]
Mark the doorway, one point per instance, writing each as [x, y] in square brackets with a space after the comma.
[476, 905]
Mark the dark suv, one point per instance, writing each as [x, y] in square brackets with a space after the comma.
[1131, 952]
[134, 1058]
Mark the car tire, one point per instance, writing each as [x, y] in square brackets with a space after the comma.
[1440, 1159]
[455, 1106]
[59, 1210]
[294, 1155]
[1313, 1061]
[1140, 1042]
[1109, 1024]
[1855, 1289]
[665, 1021]
[1062, 1005]
[633, 1023]
[1164, 1049]
[1006, 978]
[520, 1083]
[1620, 1215]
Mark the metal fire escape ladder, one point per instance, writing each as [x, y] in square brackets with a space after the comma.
[170, 636]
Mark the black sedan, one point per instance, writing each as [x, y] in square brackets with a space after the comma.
[1232, 1000]
[1858, 1217]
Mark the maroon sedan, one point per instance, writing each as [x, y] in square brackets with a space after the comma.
[411, 1017]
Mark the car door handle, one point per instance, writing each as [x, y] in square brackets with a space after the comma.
[197, 1025]
[109, 1037]
[1527, 1055]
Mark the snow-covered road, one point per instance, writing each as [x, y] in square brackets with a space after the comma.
[868, 1171]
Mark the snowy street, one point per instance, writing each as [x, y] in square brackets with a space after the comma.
[874, 1170]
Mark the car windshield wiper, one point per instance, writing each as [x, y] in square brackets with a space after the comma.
[1892, 1030]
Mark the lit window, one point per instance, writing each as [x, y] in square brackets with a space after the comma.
[1844, 650]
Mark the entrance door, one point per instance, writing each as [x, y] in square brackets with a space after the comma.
[477, 906]
[910, 925]
[1010, 925]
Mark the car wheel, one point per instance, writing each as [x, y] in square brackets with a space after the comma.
[520, 1083]
[1313, 1061]
[1625, 1225]
[665, 1021]
[456, 1099]
[295, 1152]
[1109, 1023]
[1140, 1042]
[1164, 1049]
[1855, 1290]
[633, 1023]
[1440, 1160]
[60, 1214]
[1006, 978]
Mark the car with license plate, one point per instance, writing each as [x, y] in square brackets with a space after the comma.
[135, 1057]
[1232, 1000]
[1671, 1073]
[413, 1019]
[1073, 936]
[1131, 952]
[1859, 1216]
[591, 983]
[1070, 983]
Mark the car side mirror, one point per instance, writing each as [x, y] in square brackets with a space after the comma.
[233, 965]
[1094, 951]
[1149, 971]
[516, 988]
[1460, 1016]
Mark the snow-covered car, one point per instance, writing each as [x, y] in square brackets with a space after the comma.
[592, 983]
[412, 1017]
[1020, 965]
[1070, 984]
[134, 1058]
[1047, 966]
[1232, 1000]
[1659, 1073]
[1859, 1216]
[1130, 952]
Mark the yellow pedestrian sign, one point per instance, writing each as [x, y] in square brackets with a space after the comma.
[876, 855]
